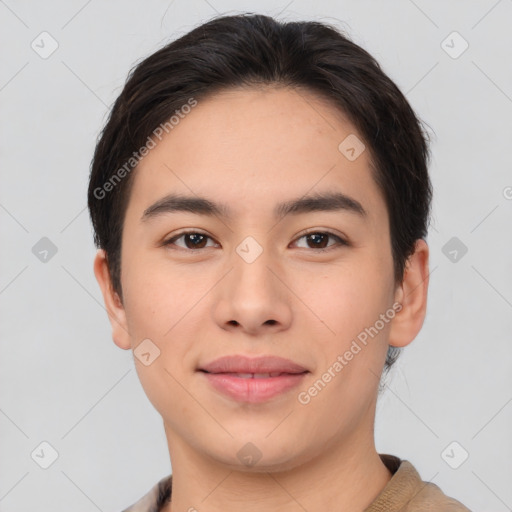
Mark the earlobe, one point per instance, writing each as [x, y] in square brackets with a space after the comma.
[113, 304]
[412, 295]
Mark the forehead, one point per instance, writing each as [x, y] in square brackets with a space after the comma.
[251, 148]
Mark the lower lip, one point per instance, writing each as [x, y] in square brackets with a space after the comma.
[253, 390]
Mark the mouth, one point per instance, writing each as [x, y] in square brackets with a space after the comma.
[251, 375]
[253, 380]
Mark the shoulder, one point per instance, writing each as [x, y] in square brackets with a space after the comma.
[407, 492]
[153, 500]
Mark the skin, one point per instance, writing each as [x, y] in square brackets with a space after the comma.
[252, 148]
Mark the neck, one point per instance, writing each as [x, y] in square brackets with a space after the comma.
[346, 476]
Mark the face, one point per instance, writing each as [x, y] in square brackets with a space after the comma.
[242, 281]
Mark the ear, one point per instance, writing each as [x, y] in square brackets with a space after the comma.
[113, 304]
[412, 295]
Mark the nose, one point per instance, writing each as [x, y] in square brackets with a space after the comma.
[253, 298]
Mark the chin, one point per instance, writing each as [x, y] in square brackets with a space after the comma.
[260, 455]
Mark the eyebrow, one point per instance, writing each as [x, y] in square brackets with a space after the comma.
[319, 202]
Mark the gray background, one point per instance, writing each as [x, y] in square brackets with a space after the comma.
[62, 379]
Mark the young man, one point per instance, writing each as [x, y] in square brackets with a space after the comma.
[260, 198]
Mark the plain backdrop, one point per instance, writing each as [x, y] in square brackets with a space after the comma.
[63, 381]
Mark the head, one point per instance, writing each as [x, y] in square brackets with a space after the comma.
[243, 114]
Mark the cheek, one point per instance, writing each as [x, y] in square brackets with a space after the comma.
[350, 360]
[351, 297]
[154, 305]
[351, 302]
[154, 297]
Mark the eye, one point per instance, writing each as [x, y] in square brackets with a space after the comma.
[318, 239]
[193, 240]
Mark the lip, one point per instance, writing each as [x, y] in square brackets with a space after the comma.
[221, 374]
[245, 364]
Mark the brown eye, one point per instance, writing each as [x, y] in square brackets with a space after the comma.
[318, 240]
[192, 240]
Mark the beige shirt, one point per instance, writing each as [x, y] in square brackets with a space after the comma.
[405, 492]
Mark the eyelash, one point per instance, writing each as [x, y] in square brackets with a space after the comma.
[341, 241]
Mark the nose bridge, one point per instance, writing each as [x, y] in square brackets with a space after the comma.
[253, 297]
[251, 271]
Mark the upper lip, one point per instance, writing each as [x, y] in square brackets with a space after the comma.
[245, 364]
